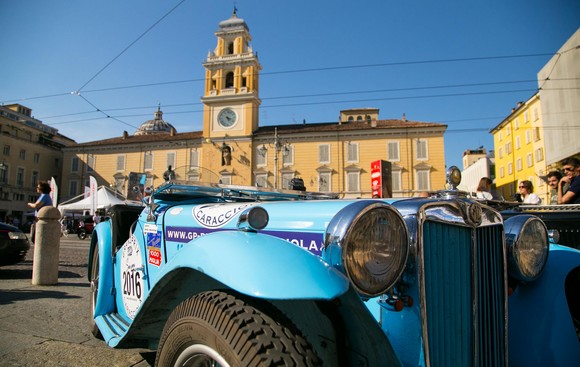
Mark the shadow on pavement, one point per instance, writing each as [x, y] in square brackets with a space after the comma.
[11, 296]
[27, 274]
[149, 357]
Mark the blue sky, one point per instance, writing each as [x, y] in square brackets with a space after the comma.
[462, 63]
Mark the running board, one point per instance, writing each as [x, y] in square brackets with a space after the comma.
[113, 327]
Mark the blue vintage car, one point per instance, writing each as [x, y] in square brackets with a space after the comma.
[240, 276]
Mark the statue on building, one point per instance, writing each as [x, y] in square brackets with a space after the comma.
[226, 155]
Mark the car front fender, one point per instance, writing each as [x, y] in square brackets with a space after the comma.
[261, 266]
[541, 329]
[102, 240]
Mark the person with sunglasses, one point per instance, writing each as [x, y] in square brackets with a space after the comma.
[527, 192]
[571, 168]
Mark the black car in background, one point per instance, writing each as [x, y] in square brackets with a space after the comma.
[13, 244]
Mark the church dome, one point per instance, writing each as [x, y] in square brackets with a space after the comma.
[233, 22]
[155, 126]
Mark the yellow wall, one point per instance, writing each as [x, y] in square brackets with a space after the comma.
[523, 124]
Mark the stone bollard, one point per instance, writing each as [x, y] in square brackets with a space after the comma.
[46, 247]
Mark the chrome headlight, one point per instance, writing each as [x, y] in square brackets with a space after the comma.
[368, 240]
[527, 246]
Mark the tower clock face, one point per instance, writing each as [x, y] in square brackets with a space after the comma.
[227, 117]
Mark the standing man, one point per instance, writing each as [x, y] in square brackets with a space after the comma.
[43, 200]
[571, 168]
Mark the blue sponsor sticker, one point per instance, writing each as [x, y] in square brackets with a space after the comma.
[154, 240]
[309, 241]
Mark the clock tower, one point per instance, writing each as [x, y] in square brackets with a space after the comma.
[231, 102]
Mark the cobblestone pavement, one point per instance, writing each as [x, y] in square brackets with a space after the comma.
[49, 325]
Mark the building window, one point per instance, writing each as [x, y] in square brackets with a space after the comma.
[286, 177]
[6, 150]
[516, 124]
[226, 179]
[353, 181]
[529, 160]
[501, 172]
[261, 156]
[262, 180]
[148, 161]
[324, 184]
[193, 158]
[230, 80]
[34, 181]
[90, 163]
[526, 116]
[499, 136]
[500, 152]
[393, 151]
[510, 168]
[539, 154]
[519, 164]
[288, 155]
[193, 176]
[536, 115]
[22, 154]
[422, 153]
[352, 152]
[528, 137]
[518, 144]
[120, 162]
[423, 180]
[508, 148]
[230, 48]
[396, 180]
[73, 188]
[324, 153]
[20, 177]
[74, 164]
[4, 174]
[536, 133]
[508, 130]
[170, 159]
[36, 157]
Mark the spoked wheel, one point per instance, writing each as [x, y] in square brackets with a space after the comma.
[217, 329]
[95, 292]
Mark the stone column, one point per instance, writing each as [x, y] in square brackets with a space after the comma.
[46, 247]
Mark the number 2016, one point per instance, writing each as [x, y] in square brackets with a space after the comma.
[132, 283]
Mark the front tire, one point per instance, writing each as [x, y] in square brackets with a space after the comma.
[217, 328]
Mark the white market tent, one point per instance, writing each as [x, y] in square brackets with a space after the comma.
[105, 199]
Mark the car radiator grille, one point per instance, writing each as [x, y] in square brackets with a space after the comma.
[465, 308]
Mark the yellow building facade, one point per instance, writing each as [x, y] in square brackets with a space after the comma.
[31, 152]
[234, 149]
[519, 146]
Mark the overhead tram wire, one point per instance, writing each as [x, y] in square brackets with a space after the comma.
[78, 91]
[321, 95]
[130, 45]
[288, 71]
[322, 103]
[104, 113]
